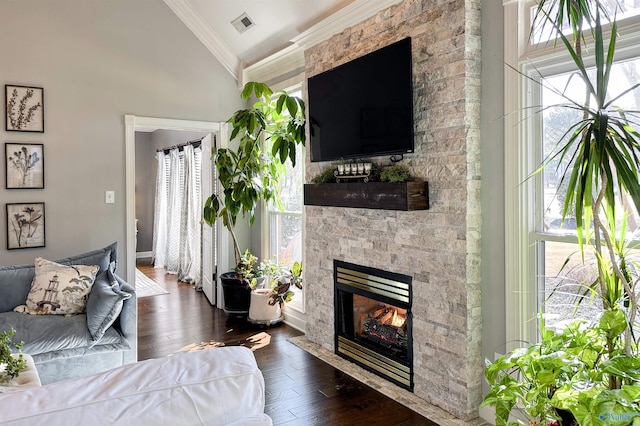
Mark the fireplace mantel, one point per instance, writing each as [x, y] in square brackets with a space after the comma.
[371, 195]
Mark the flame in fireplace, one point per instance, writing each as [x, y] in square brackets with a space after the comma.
[398, 320]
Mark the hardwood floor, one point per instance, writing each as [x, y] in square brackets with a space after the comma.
[300, 388]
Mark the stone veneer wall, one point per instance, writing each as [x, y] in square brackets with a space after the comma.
[439, 247]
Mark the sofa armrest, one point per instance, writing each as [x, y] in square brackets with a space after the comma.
[211, 387]
[128, 320]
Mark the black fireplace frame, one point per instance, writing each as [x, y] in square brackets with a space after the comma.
[383, 286]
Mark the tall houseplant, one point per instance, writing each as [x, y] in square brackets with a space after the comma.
[589, 372]
[268, 133]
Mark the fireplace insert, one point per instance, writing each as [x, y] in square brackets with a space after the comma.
[373, 320]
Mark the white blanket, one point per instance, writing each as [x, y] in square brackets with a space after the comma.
[212, 387]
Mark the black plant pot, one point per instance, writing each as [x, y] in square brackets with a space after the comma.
[566, 418]
[237, 295]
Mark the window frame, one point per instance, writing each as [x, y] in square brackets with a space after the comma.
[294, 311]
[522, 219]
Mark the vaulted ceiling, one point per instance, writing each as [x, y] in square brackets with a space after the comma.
[274, 25]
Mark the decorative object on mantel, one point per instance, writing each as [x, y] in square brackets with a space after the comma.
[24, 164]
[368, 172]
[25, 225]
[24, 108]
[353, 171]
[405, 196]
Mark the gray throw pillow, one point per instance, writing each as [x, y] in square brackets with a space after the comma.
[104, 304]
[105, 258]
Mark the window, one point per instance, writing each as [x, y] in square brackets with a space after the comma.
[284, 227]
[557, 241]
[537, 242]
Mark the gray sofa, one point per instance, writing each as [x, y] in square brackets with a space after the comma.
[71, 346]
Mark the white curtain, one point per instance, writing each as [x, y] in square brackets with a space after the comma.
[177, 232]
[160, 214]
[190, 231]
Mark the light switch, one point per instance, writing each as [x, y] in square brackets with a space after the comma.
[109, 197]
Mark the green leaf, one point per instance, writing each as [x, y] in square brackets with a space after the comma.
[284, 151]
[624, 366]
[296, 269]
[247, 89]
[613, 322]
[280, 103]
[292, 106]
[292, 153]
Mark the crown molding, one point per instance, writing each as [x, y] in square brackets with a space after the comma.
[289, 59]
[349, 16]
[212, 41]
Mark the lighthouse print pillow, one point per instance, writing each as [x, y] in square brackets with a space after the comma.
[59, 289]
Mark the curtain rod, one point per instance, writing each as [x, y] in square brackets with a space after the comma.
[195, 143]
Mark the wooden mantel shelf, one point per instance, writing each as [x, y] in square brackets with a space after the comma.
[371, 195]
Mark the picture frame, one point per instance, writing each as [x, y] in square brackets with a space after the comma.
[24, 108]
[25, 225]
[24, 165]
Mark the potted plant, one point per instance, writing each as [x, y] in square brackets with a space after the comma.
[268, 133]
[266, 303]
[10, 364]
[588, 373]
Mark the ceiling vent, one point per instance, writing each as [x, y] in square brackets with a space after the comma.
[242, 23]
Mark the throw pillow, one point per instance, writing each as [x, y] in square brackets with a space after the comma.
[105, 258]
[104, 304]
[59, 289]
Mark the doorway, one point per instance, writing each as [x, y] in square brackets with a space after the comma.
[145, 124]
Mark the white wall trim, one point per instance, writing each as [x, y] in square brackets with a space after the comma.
[520, 300]
[286, 60]
[488, 414]
[207, 35]
[136, 123]
[144, 254]
[291, 58]
[295, 318]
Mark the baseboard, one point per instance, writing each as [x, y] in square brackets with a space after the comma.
[144, 254]
[295, 319]
[488, 414]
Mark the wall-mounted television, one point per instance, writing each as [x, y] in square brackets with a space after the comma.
[363, 108]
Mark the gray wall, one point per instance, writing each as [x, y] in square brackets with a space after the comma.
[98, 60]
[145, 190]
[492, 195]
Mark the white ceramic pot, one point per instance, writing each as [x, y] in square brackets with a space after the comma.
[259, 309]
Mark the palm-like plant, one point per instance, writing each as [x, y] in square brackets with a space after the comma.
[602, 149]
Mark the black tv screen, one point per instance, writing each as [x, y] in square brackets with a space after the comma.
[363, 108]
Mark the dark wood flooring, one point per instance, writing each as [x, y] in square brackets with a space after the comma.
[300, 388]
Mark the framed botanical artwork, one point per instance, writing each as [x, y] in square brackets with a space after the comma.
[24, 108]
[25, 225]
[24, 163]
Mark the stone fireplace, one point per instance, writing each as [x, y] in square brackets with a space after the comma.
[440, 247]
[373, 324]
